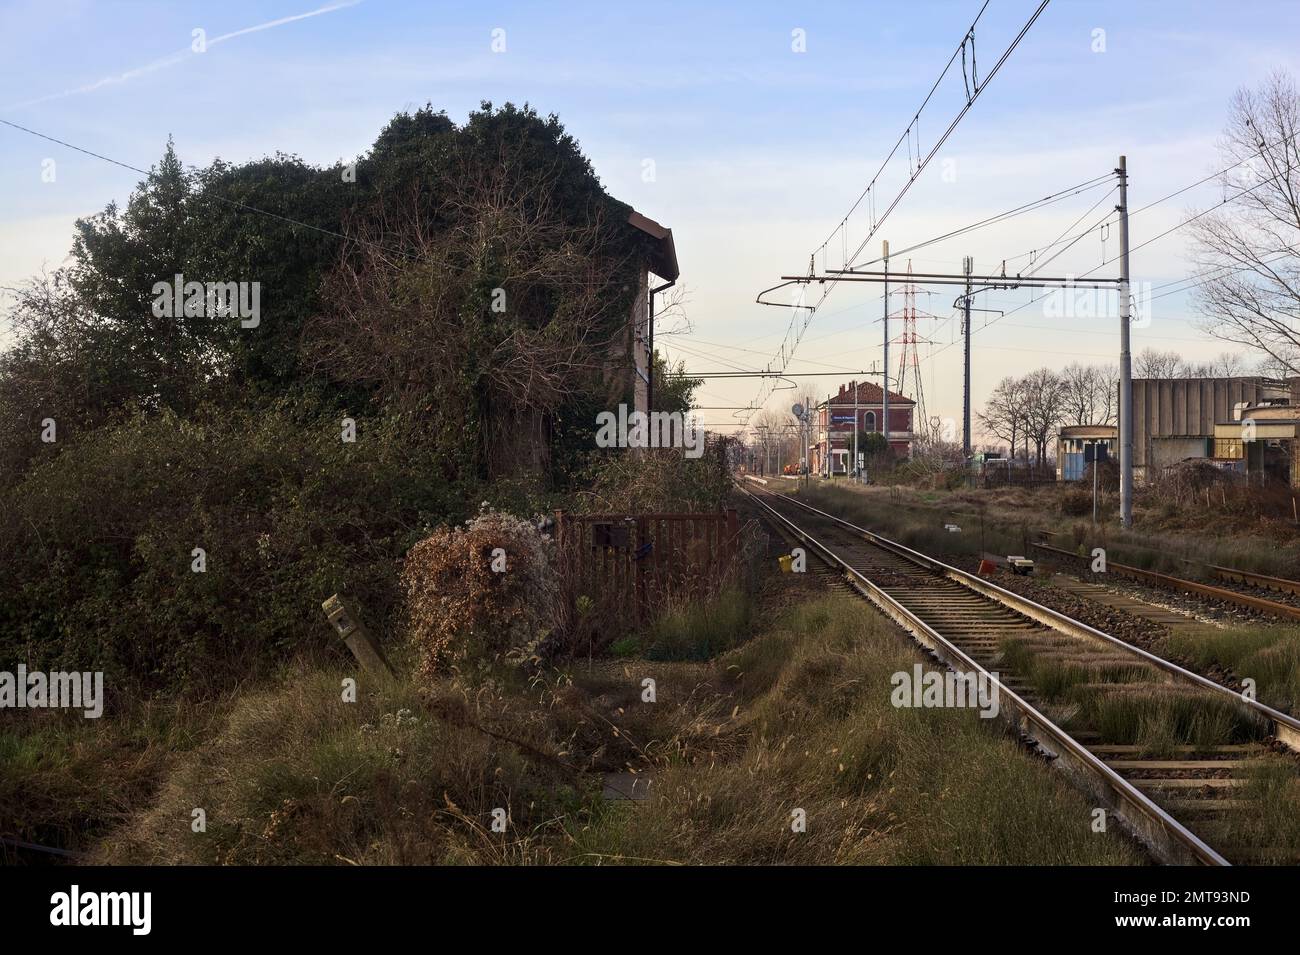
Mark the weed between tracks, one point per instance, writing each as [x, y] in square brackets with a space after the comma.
[1054, 678]
[1275, 826]
[1269, 654]
[1125, 703]
[1159, 718]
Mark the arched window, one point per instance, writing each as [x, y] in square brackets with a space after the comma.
[869, 423]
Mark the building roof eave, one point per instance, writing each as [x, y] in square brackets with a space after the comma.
[664, 261]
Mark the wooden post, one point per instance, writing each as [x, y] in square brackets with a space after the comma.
[363, 646]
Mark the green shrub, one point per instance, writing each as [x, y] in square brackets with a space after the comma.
[97, 545]
[625, 647]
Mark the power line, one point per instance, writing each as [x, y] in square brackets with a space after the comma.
[1105, 221]
[1228, 270]
[907, 132]
[1024, 209]
[876, 222]
[1215, 175]
[957, 119]
[700, 353]
[1176, 192]
[1185, 222]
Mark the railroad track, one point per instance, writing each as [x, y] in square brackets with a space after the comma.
[1285, 611]
[1189, 801]
[1252, 579]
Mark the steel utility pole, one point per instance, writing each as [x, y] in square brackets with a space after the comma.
[1125, 359]
[884, 397]
[828, 465]
[969, 266]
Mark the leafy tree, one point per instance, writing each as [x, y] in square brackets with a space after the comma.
[673, 390]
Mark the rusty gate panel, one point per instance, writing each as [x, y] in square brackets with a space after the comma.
[633, 566]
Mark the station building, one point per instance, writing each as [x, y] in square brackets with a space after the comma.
[835, 418]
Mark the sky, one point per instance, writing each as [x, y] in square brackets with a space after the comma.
[749, 129]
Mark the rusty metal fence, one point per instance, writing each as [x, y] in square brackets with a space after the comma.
[631, 567]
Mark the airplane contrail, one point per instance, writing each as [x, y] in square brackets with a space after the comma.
[179, 56]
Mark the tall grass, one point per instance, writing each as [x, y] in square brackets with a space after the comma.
[699, 630]
[298, 776]
[1274, 823]
[797, 718]
[878, 785]
[1269, 654]
[66, 781]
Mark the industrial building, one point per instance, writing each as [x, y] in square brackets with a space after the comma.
[1260, 440]
[1245, 424]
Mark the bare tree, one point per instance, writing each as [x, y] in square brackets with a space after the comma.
[1089, 394]
[776, 438]
[671, 316]
[1044, 397]
[1270, 367]
[1152, 363]
[1004, 413]
[485, 318]
[1252, 238]
[1108, 408]
[1226, 365]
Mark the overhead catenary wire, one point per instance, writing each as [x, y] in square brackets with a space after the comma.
[876, 221]
[1023, 209]
[1165, 198]
[1197, 279]
[906, 132]
[1185, 222]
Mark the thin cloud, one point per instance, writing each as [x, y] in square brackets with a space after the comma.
[180, 56]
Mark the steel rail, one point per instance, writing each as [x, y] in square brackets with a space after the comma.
[1249, 577]
[1284, 727]
[1257, 580]
[1168, 838]
[1262, 604]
